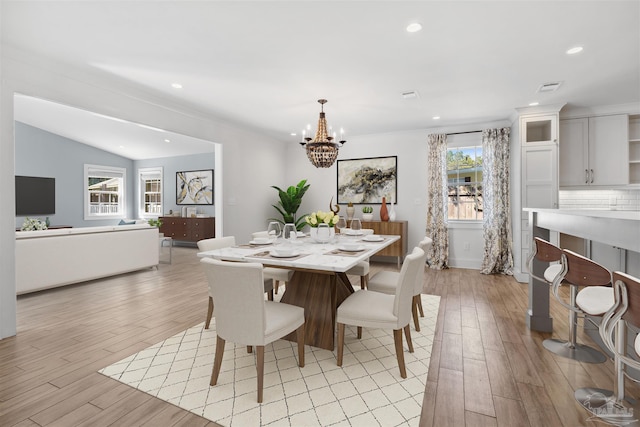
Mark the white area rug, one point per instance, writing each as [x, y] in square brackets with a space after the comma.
[366, 391]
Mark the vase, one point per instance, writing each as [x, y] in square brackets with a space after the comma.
[350, 211]
[384, 214]
[313, 233]
[392, 211]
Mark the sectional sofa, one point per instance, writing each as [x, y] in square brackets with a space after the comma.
[50, 258]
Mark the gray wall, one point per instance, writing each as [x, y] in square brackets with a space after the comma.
[45, 154]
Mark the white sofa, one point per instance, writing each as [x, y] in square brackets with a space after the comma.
[51, 258]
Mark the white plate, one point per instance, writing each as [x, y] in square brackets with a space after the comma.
[284, 254]
[372, 238]
[253, 242]
[351, 249]
[353, 233]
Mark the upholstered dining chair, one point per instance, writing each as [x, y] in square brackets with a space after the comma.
[278, 275]
[219, 243]
[614, 329]
[244, 317]
[386, 282]
[370, 309]
[595, 298]
[362, 268]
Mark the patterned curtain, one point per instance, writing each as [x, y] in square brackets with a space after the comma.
[498, 257]
[438, 255]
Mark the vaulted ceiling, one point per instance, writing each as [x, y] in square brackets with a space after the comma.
[264, 64]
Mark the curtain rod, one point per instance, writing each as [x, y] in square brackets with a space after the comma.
[462, 133]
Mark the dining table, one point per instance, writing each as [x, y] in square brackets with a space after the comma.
[319, 283]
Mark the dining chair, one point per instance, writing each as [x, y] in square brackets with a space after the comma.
[371, 309]
[386, 282]
[594, 299]
[244, 317]
[278, 275]
[362, 268]
[219, 243]
[614, 329]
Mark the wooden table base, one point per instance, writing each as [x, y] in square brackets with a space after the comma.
[320, 295]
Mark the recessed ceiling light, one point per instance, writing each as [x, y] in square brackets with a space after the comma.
[414, 27]
[292, 134]
[176, 85]
[574, 50]
[436, 117]
[533, 104]
[167, 140]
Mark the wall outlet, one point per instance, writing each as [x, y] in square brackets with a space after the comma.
[467, 246]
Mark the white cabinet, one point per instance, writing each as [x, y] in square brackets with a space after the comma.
[538, 139]
[634, 149]
[594, 151]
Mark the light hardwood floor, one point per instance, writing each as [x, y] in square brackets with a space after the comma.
[486, 368]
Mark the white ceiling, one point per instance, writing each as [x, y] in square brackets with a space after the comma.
[264, 64]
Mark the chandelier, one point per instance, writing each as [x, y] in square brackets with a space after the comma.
[322, 150]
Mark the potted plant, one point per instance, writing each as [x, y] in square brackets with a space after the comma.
[289, 204]
[314, 219]
[367, 213]
[155, 222]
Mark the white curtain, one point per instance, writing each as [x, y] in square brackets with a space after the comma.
[498, 257]
[438, 255]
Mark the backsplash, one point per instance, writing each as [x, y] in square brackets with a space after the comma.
[622, 200]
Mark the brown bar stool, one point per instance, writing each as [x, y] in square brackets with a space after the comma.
[595, 299]
[547, 252]
[612, 406]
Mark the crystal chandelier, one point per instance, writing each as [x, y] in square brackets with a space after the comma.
[322, 150]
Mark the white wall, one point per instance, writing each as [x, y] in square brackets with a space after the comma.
[251, 162]
[411, 149]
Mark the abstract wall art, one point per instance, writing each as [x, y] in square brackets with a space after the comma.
[194, 187]
[367, 180]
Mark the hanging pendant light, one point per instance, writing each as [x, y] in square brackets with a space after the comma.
[322, 150]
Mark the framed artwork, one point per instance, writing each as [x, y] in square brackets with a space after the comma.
[194, 187]
[367, 181]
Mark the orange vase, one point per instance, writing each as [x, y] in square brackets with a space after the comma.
[384, 214]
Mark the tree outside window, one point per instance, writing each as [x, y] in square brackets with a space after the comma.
[464, 182]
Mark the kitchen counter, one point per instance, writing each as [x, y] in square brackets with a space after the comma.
[616, 228]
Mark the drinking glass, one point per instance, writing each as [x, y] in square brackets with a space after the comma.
[356, 226]
[289, 233]
[341, 225]
[273, 231]
[323, 233]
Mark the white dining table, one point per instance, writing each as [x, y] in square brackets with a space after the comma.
[319, 283]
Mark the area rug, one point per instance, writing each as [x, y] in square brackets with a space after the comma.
[366, 391]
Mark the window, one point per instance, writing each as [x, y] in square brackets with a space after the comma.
[150, 192]
[464, 181]
[105, 195]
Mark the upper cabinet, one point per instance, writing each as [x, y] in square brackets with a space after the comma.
[634, 149]
[539, 129]
[594, 151]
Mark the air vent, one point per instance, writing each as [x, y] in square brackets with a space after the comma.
[549, 87]
[409, 95]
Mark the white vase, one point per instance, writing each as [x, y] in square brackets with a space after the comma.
[313, 233]
[392, 212]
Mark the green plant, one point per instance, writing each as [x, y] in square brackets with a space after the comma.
[155, 222]
[367, 209]
[289, 204]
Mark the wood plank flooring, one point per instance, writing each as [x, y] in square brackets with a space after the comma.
[487, 368]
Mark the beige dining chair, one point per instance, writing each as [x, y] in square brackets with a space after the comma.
[244, 317]
[378, 310]
[278, 275]
[386, 282]
[361, 269]
[219, 243]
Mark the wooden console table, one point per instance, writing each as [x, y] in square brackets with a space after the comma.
[397, 228]
[188, 229]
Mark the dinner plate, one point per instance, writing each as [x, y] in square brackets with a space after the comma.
[350, 249]
[275, 254]
[353, 233]
[253, 242]
[372, 238]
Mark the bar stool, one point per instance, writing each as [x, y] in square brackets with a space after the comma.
[613, 406]
[547, 252]
[595, 299]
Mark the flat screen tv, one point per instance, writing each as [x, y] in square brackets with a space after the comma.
[35, 196]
